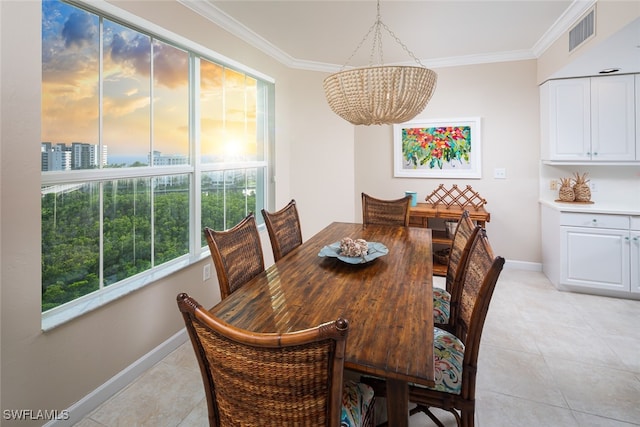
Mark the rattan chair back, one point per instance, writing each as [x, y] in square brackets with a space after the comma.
[251, 379]
[284, 229]
[480, 276]
[463, 237]
[385, 212]
[237, 254]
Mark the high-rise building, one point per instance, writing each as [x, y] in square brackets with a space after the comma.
[55, 157]
[60, 157]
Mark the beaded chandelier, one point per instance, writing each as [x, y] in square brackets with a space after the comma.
[380, 94]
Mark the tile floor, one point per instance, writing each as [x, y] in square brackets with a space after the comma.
[548, 358]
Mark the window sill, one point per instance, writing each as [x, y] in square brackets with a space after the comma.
[67, 312]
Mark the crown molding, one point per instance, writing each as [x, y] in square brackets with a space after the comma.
[481, 58]
[228, 23]
[209, 11]
[570, 16]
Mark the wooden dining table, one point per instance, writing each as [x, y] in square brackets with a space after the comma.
[388, 303]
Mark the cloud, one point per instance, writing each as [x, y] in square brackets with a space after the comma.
[170, 65]
[121, 107]
[79, 30]
[135, 52]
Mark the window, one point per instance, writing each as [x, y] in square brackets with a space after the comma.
[146, 139]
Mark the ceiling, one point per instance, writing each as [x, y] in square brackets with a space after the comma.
[325, 35]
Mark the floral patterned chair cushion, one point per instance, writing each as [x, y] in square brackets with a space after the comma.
[448, 354]
[357, 401]
[441, 306]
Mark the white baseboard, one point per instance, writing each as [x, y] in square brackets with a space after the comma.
[522, 265]
[90, 402]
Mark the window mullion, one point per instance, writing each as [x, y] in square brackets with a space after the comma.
[152, 180]
[101, 148]
[195, 144]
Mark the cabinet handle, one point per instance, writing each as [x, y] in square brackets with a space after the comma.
[595, 154]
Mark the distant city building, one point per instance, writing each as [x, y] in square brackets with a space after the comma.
[168, 160]
[86, 156]
[55, 157]
[60, 157]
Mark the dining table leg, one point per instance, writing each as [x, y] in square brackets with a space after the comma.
[397, 403]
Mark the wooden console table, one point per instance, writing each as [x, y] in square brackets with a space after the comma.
[420, 215]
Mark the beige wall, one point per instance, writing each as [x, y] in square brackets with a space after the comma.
[319, 166]
[321, 161]
[505, 97]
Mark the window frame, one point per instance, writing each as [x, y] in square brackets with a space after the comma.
[194, 169]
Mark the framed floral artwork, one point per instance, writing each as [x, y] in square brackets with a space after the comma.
[441, 148]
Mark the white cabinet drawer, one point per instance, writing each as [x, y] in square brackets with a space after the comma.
[594, 220]
[635, 223]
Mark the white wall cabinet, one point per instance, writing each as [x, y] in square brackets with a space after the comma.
[565, 119]
[589, 119]
[635, 254]
[637, 116]
[613, 118]
[592, 253]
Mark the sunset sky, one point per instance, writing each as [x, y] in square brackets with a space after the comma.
[70, 91]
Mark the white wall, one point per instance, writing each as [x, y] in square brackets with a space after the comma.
[505, 97]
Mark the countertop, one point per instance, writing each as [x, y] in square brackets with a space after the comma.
[607, 207]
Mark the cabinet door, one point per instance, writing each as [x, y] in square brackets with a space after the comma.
[570, 118]
[637, 116]
[635, 261]
[613, 132]
[595, 258]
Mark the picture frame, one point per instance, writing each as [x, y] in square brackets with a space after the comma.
[438, 148]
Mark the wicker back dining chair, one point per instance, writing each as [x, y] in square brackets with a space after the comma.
[237, 254]
[456, 354]
[445, 300]
[277, 379]
[284, 229]
[385, 212]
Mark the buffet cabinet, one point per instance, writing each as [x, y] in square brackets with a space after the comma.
[423, 213]
[592, 252]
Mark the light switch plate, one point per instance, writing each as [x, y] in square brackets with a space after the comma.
[500, 173]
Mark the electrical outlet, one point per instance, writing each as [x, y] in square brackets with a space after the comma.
[553, 185]
[206, 272]
[500, 173]
[593, 187]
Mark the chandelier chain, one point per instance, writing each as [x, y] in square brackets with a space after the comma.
[397, 39]
[366, 36]
[377, 42]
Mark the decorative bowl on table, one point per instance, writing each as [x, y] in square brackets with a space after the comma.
[354, 251]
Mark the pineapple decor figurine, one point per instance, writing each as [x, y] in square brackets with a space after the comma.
[581, 188]
[566, 193]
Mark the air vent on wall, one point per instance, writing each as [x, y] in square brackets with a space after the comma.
[582, 30]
